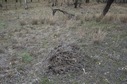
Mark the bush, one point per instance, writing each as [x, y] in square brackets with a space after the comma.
[26, 58]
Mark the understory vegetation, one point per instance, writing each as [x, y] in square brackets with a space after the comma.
[39, 48]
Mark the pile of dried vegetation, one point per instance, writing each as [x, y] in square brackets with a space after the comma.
[67, 58]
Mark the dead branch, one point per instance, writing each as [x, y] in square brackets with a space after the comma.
[64, 12]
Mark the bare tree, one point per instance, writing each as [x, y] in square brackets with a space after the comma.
[107, 7]
[98, 1]
[54, 2]
[1, 5]
[77, 3]
[87, 1]
[25, 4]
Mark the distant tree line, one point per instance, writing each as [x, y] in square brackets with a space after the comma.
[116, 1]
[75, 3]
[2, 1]
[67, 1]
[22, 2]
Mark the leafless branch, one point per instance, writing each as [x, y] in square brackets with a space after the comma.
[64, 12]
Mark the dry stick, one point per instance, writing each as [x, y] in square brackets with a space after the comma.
[64, 12]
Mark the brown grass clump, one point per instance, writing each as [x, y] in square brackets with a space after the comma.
[42, 21]
[80, 17]
[97, 17]
[89, 18]
[34, 22]
[109, 17]
[50, 21]
[123, 18]
[113, 17]
[99, 36]
[70, 24]
[22, 23]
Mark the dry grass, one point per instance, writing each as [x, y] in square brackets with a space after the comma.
[62, 2]
[22, 23]
[109, 18]
[42, 21]
[50, 21]
[35, 41]
[99, 36]
[123, 18]
[82, 18]
[89, 18]
[78, 17]
[70, 23]
[81, 33]
[34, 21]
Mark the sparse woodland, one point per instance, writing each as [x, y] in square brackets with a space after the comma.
[63, 42]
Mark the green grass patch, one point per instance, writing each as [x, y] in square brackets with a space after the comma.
[2, 24]
[102, 25]
[26, 57]
[45, 81]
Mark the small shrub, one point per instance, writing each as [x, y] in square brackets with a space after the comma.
[99, 36]
[34, 22]
[26, 57]
[75, 83]
[42, 21]
[88, 18]
[78, 17]
[123, 18]
[45, 81]
[50, 21]
[22, 23]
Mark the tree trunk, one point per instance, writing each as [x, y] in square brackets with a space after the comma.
[107, 7]
[54, 2]
[6, 4]
[98, 1]
[26, 5]
[87, 1]
[76, 3]
[20, 2]
[1, 6]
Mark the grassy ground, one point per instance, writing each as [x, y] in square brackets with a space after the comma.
[28, 36]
